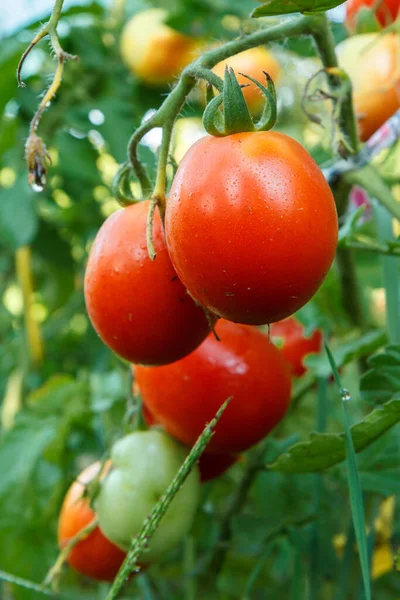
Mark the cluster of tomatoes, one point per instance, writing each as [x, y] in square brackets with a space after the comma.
[250, 232]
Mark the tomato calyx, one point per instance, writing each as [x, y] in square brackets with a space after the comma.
[236, 117]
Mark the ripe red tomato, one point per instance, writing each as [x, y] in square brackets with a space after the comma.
[95, 556]
[139, 307]
[251, 226]
[210, 465]
[186, 394]
[386, 13]
[289, 336]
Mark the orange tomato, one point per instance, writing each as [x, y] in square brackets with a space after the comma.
[372, 63]
[154, 52]
[251, 62]
[94, 556]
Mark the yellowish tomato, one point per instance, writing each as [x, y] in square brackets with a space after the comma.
[372, 62]
[154, 52]
[251, 62]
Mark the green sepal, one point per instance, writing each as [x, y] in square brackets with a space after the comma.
[235, 116]
[236, 113]
[213, 121]
[269, 115]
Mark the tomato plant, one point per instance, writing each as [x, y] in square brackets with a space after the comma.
[144, 464]
[263, 244]
[377, 94]
[290, 337]
[386, 11]
[153, 51]
[139, 307]
[244, 365]
[94, 556]
[310, 504]
[253, 62]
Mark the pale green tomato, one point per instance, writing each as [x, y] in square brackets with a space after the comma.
[143, 465]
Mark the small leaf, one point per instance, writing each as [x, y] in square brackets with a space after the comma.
[382, 381]
[324, 450]
[286, 7]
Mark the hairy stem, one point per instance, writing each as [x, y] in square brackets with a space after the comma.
[52, 577]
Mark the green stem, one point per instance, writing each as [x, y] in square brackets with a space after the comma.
[200, 69]
[345, 261]
[161, 179]
[221, 546]
[373, 247]
[140, 541]
[349, 286]
[325, 44]
[390, 276]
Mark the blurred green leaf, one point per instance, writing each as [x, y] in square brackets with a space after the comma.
[324, 450]
[18, 217]
[285, 7]
[382, 381]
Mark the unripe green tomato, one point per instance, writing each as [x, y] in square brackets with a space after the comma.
[143, 465]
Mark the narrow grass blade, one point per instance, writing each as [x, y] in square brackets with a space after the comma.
[321, 420]
[356, 498]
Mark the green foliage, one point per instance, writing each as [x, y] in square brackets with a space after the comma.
[324, 450]
[284, 7]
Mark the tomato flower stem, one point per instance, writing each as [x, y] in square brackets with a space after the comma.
[35, 150]
[141, 540]
[53, 576]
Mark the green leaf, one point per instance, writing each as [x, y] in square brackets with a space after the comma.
[325, 450]
[382, 381]
[285, 7]
[18, 218]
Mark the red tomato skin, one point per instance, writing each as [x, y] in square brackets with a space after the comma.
[95, 556]
[210, 465]
[295, 346]
[386, 13]
[251, 226]
[138, 307]
[244, 365]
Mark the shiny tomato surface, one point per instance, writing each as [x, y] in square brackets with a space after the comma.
[210, 465]
[251, 226]
[95, 556]
[244, 365]
[290, 337]
[138, 306]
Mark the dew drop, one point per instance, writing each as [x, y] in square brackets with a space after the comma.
[36, 187]
[345, 395]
